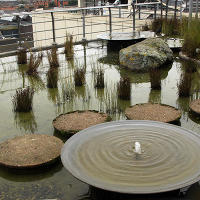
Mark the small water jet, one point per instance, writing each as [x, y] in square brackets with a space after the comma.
[101, 156]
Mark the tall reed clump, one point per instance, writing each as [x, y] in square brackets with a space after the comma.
[52, 78]
[69, 47]
[21, 56]
[124, 88]
[33, 63]
[53, 57]
[23, 100]
[171, 27]
[184, 86]
[79, 76]
[99, 77]
[191, 44]
[155, 78]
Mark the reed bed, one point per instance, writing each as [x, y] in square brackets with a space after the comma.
[52, 78]
[99, 78]
[23, 100]
[155, 78]
[34, 63]
[184, 86]
[79, 76]
[69, 47]
[53, 58]
[124, 88]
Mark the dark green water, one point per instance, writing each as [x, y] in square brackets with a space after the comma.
[56, 182]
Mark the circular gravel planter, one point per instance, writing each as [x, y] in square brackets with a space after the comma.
[155, 112]
[30, 151]
[195, 106]
[72, 122]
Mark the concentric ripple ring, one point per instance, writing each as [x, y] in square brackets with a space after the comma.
[104, 156]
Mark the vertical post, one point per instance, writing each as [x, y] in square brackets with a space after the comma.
[120, 12]
[19, 31]
[175, 9]
[133, 6]
[161, 9]
[110, 20]
[139, 14]
[83, 18]
[181, 11]
[155, 8]
[197, 9]
[190, 9]
[53, 28]
[166, 12]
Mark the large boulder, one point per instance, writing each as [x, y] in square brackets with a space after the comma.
[150, 53]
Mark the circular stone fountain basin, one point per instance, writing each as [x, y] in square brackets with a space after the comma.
[104, 156]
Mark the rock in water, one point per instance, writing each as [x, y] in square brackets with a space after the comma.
[150, 53]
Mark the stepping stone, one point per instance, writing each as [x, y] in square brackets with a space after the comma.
[155, 112]
[30, 151]
[75, 121]
[195, 106]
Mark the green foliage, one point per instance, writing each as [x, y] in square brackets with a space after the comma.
[171, 27]
[192, 39]
[22, 100]
[72, 2]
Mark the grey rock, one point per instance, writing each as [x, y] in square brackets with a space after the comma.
[150, 53]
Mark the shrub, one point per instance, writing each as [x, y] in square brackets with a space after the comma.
[22, 100]
[124, 88]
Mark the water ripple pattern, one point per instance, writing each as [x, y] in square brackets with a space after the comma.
[168, 157]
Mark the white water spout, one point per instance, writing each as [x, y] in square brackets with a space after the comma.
[138, 149]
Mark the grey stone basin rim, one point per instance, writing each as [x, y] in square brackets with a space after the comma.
[82, 136]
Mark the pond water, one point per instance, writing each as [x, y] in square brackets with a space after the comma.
[55, 181]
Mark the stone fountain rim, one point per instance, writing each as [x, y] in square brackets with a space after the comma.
[129, 189]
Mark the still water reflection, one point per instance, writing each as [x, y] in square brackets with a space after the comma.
[56, 182]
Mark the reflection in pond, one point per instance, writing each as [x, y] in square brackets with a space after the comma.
[36, 83]
[26, 121]
[49, 103]
[155, 96]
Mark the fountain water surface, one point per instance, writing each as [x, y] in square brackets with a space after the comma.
[103, 156]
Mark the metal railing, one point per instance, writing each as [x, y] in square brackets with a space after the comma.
[85, 24]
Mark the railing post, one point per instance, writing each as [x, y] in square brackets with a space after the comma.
[166, 11]
[110, 20]
[180, 11]
[155, 9]
[139, 16]
[120, 14]
[161, 9]
[83, 18]
[175, 8]
[53, 28]
[133, 6]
